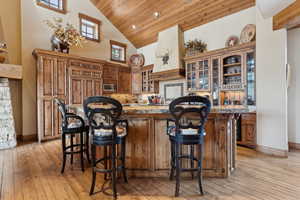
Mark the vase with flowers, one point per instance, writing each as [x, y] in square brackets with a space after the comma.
[64, 36]
[194, 47]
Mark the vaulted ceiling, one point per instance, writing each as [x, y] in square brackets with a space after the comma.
[187, 13]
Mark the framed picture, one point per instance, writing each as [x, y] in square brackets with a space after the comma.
[173, 91]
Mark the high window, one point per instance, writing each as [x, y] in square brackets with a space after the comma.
[55, 5]
[118, 51]
[90, 27]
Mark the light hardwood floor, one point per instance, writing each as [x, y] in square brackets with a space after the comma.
[32, 171]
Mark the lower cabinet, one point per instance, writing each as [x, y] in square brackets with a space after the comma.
[247, 135]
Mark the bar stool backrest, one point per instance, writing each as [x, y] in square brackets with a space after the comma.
[190, 112]
[63, 111]
[102, 113]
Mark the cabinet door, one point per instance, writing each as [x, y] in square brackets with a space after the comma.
[203, 74]
[51, 83]
[60, 92]
[136, 83]
[76, 91]
[249, 130]
[215, 63]
[191, 76]
[250, 78]
[97, 85]
[124, 82]
[110, 72]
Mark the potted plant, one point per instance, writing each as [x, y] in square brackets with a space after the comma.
[64, 37]
[194, 47]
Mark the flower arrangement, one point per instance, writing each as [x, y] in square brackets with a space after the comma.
[195, 46]
[67, 35]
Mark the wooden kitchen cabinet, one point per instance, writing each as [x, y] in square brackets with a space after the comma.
[84, 82]
[148, 84]
[72, 79]
[51, 83]
[248, 130]
[124, 80]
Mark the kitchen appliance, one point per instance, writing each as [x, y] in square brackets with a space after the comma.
[109, 87]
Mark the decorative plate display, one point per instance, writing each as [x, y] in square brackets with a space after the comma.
[248, 33]
[232, 41]
[137, 60]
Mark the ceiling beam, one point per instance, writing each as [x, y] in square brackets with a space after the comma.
[288, 18]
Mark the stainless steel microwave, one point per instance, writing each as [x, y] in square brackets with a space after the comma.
[109, 87]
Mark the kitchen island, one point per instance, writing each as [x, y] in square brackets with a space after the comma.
[148, 146]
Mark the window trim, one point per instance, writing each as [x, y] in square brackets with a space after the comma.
[94, 20]
[63, 11]
[112, 42]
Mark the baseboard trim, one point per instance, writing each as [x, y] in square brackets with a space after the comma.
[293, 145]
[27, 138]
[272, 151]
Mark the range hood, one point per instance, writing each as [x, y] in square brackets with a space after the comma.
[168, 55]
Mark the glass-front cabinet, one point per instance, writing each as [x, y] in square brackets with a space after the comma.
[250, 76]
[215, 80]
[191, 76]
[198, 75]
[227, 75]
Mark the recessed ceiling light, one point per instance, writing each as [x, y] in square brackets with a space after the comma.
[133, 27]
[156, 14]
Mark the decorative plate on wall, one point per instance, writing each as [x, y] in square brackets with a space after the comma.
[137, 61]
[232, 41]
[248, 34]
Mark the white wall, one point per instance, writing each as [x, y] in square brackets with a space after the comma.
[214, 33]
[293, 41]
[271, 84]
[149, 53]
[217, 32]
[35, 34]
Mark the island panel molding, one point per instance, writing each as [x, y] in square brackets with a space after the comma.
[71, 78]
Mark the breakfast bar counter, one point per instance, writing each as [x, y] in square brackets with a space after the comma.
[148, 146]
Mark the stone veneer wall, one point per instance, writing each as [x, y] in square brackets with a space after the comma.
[7, 125]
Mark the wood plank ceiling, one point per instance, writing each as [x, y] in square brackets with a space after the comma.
[187, 13]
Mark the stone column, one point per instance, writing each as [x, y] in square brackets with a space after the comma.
[7, 124]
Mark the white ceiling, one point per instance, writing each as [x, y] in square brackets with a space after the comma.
[269, 8]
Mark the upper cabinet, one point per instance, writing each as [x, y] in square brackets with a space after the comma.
[227, 74]
[198, 74]
[124, 80]
[250, 78]
[148, 84]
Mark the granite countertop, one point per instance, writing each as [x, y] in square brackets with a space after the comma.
[161, 109]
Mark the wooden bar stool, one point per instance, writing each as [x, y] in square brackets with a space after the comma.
[189, 116]
[107, 130]
[73, 125]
